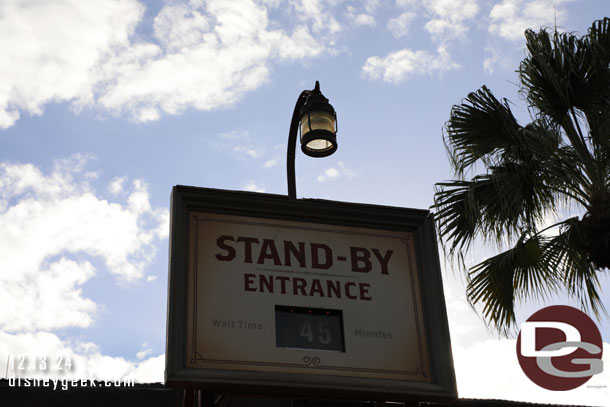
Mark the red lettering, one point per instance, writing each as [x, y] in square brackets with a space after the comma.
[383, 260]
[360, 255]
[248, 281]
[282, 281]
[347, 291]
[290, 248]
[220, 242]
[364, 291]
[248, 246]
[316, 287]
[299, 284]
[264, 282]
[333, 287]
[268, 251]
[315, 256]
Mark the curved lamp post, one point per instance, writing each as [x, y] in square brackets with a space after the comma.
[318, 130]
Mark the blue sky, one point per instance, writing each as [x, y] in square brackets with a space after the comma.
[105, 105]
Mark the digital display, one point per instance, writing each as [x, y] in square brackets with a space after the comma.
[309, 328]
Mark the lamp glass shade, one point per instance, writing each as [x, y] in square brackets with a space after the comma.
[319, 145]
[318, 122]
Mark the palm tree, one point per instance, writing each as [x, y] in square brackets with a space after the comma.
[560, 159]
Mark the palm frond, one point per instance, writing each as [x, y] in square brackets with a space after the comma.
[599, 40]
[527, 269]
[535, 267]
[511, 197]
[598, 73]
[562, 76]
[579, 276]
[545, 71]
[478, 127]
[563, 173]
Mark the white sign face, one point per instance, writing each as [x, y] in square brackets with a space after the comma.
[295, 297]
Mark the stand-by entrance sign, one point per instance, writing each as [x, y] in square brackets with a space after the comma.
[305, 297]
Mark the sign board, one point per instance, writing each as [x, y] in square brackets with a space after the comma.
[305, 297]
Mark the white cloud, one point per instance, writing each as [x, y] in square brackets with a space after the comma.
[116, 185]
[399, 26]
[329, 174]
[359, 19]
[49, 299]
[314, 12]
[53, 225]
[54, 49]
[206, 55]
[406, 3]
[371, 6]
[333, 173]
[363, 19]
[146, 350]
[279, 154]
[494, 58]
[401, 65]
[150, 370]
[450, 18]
[240, 143]
[200, 65]
[54, 229]
[447, 21]
[248, 150]
[235, 135]
[252, 186]
[301, 44]
[180, 25]
[510, 18]
[270, 163]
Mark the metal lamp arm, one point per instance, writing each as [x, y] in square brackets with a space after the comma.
[292, 144]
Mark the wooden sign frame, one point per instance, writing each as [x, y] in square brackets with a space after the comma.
[441, 385]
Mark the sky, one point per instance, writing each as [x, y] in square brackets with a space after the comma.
[105, 105]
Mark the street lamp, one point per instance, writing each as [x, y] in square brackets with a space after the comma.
[318, 130]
